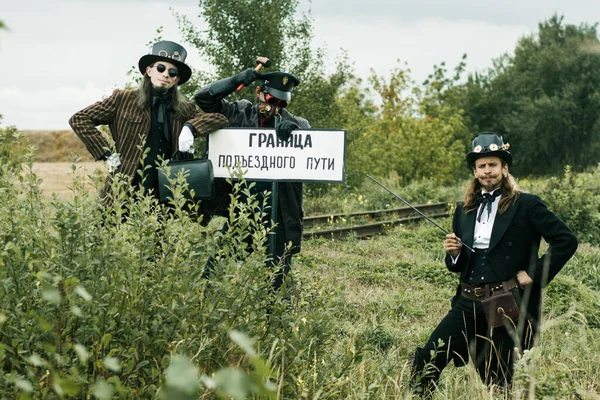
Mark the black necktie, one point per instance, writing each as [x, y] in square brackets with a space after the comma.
[487, 199]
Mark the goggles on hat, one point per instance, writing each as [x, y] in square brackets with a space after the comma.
[492, 147]
[269, 98]
[173, 72]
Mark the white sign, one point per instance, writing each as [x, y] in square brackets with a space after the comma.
[308, 155]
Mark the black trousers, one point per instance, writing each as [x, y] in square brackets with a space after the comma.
[464, 334]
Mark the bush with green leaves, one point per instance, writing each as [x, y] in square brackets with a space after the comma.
[100, 301]
[575, 198]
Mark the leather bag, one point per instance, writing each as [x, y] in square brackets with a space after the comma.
[501, 309]
[198, 174]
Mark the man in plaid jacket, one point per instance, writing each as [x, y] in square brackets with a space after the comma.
[147, 124]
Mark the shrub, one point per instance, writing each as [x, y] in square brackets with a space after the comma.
[575, 198]
[102, 301]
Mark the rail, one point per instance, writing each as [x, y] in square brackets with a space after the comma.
[321, 225]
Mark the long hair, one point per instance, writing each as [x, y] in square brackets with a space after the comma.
[144, 96]
[508, 186]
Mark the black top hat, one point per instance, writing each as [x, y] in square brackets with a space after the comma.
[488, 144]
[279, 84]
[170, 52]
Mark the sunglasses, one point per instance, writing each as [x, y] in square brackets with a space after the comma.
[173, 72]
[275, 101]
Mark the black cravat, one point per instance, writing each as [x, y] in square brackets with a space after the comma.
[487, 199]
[163, 103]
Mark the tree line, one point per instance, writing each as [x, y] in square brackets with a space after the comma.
[544, 98]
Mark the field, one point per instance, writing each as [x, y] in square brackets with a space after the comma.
[56, 146]
[57, 176]
[56, 152]
[98, 306]
[396, 289]
[388, 293]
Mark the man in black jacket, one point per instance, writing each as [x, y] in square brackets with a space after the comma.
[273, 93]
[504, 227]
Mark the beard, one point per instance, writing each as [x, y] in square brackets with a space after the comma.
[160, 89]
[492, 184]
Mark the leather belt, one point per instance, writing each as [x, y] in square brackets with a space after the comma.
[483, 291]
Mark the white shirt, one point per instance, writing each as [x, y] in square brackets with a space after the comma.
[483, 228]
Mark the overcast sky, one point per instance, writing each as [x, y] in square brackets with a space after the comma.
[59, 56]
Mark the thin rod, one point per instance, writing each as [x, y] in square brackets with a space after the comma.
[411, 206]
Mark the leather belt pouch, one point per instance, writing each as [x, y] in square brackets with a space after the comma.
[501, 308]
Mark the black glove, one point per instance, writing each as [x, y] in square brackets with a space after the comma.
[247, 77]
[284, 129]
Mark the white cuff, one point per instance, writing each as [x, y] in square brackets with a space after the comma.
[455, 259]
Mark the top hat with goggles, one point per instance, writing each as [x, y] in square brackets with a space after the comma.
[279, 84]
[489, 144]
[170, 52]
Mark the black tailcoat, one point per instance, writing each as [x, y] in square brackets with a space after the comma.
[514, 245]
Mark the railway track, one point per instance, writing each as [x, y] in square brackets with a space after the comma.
[372, 222]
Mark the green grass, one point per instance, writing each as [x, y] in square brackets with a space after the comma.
[99, 306]
[396, 290]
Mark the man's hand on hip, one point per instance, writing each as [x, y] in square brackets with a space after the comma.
[524, 279]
